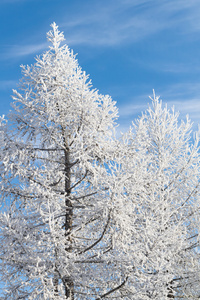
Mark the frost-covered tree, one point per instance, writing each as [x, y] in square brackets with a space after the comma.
[87, 217]
[56, 149]
[157, 219]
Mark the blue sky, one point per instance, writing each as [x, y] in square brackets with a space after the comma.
[129, 48]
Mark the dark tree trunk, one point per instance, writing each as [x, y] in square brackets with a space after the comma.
[68, 282]
[170, 294]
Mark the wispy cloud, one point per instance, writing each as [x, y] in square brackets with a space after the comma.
[23, 50]
[131, 109]
[120, 22]
[190, 107]
[130, 21]
[183, 91]
[7, 84]
[169, 67]
[185, 98]
[130, 112]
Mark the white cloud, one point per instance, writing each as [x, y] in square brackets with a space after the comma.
[22, 50]
[132, 109]
[131, 112]
[184, 97]
[128, 21]
[120, 22]
[7, 84]
[190, 107]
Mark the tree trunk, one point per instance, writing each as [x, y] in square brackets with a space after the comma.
[68, 282]
[170, 294]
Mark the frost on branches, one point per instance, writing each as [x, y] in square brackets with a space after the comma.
[55, 219]
[159, 205]
[87, 217]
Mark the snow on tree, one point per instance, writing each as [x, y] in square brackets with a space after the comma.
[158, 207]
[55, 156]
[87, 217]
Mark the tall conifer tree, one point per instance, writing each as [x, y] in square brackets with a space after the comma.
[55, 161]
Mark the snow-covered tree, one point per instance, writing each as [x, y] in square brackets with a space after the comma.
[158, 202]
[55, 154]
[87, 217]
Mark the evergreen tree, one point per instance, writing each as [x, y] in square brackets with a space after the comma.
[85, 216]
[56, 153]
[159, 204]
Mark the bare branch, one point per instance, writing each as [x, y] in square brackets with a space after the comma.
[99, 239]
[113, 290]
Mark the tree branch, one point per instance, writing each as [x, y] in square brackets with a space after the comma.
[113, 290]
[99, 239]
